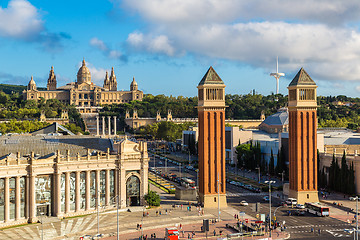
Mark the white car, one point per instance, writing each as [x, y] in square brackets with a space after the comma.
[300, 206]
[244, 203]
[291, 201]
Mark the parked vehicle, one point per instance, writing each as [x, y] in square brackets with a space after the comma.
[244, 203]
[266, 199]
[291, 201]
[300, 206]
[171, 234]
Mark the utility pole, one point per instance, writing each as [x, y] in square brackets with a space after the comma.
[270, 182]
[180, 170]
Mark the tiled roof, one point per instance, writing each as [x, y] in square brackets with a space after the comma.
[211, 77]
[302, 78]
[279, 118]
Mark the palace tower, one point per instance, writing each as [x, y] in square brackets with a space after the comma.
[211, 113]
[303, 138]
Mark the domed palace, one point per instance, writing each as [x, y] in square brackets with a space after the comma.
[84, 94]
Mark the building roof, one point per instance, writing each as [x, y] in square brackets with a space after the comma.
[46, 144]
[52, 128]
[279, 118]
[211, 77]
[302, 78]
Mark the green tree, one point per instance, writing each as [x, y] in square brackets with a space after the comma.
[271, 164]
[152, 198]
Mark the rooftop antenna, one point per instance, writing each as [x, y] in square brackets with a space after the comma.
[277, 75]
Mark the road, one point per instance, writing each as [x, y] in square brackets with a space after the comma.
[298, 226]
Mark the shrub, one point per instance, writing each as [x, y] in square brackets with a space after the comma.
[152, 198]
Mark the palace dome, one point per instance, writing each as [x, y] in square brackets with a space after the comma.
[83, 74]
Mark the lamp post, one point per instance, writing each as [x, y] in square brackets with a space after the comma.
[270, 182]
[258, 168]
[42, 226]
[357, 225]
[180, 170]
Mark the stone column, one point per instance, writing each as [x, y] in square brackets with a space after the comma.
[114, 125]
[122, 184]
[57, 195]
[97, 188]
[109, 124]
[67, 192]
[103, 125]
[87, 192]
[32, 199]
[17, 198]
[107, 187]
[97, 125]
[77, 192]
[7, 200]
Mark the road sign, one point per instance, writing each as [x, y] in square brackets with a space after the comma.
[262, 218]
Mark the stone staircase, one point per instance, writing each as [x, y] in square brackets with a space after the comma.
[90, 122]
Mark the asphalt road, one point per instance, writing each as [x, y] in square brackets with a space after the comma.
[299, 227]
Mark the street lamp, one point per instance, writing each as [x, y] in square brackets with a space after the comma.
[258, 168]
[42, 226]
[357, 225]
[270, 182]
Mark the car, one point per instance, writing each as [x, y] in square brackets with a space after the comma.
[283, 204]
[244, 203]
[266, 199]
[350, 231]
[299, 212]
[300, 206]
[291, 201]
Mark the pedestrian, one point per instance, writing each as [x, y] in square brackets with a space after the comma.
[214, 232]
[181, 207]
[137, 226]
[146, 237]
[160, 213]
[188, 235]
[180, 226]
[319, 231]
[154, 235]
[165, 211]
[234, 216]
[140, 226]
[157, 213]
[312, 229]
[220, 232]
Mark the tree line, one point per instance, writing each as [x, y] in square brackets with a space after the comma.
[341, 177]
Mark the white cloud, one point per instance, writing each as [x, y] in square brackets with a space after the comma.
[110, 53]
[357, 88]
[314, 34]
[154, 44]
[20, 20]
[333, 12]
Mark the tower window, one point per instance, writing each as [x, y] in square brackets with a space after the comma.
[214, 199]
[306, 94]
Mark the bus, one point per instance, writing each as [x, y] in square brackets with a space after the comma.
[317, 209]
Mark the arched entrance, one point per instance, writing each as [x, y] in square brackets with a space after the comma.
[133, 191]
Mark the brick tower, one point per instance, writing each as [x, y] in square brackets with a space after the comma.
[303, 138]
[211, 113]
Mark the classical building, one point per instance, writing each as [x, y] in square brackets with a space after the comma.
[68, 182]
[303, 138]
[211, 144]
[84, 93]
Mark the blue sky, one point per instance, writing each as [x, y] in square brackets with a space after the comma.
[168, 45]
